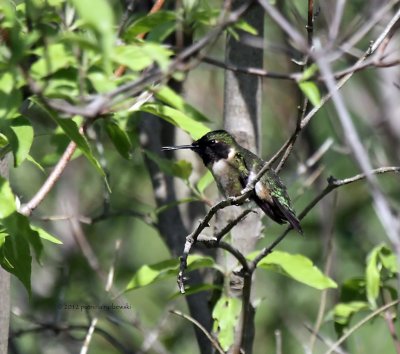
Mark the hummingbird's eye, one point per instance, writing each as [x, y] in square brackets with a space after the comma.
[213, 142]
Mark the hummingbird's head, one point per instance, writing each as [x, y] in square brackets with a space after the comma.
[212, 147]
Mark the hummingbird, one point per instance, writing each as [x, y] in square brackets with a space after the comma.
[234, 167]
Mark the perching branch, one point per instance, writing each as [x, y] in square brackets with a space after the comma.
[332, 185]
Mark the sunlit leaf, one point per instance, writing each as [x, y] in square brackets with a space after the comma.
[295, 266]
[99, 15]
[147, 23]
[52, 58]
[311, 91]
[139, 56]
[170, 97]
[245, 27]
[188, 124]
[372, 276]
[3, 141]
[7, 199]
[149, 274]
[225, 314]
[309, 72]
[45, 235]
[10, 104]
[388, 259]
[21, 138]
[343, 312]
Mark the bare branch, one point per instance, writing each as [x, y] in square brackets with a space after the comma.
[284, 24]
[212, 340]
[332, 184]
[382, 207]
[27, 209]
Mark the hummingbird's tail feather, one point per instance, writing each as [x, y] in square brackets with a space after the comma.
[289, 216]
[279, 213]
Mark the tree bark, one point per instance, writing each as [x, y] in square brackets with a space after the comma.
[170, 224]
[4, 284]
[242, 118]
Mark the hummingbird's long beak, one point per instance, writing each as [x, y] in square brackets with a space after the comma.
[170, 148]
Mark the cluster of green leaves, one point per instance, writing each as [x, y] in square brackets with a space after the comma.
[362, 293]
[60, 49]
[227, 309]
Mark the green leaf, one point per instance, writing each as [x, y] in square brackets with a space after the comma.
[21, 139]
[170, 97]
[145, 24]
[246, 27]
[343, 312]
[7, 199]
[139, 56]
[295, 266]
[119, 138]
[99, 15]
[3, 141]
[372, 275]
[71, 129]
[7, 81]
[381, 257]
[149, 274]
[100, 81]
[311, 91]
[188, 124]
[53, 58]
[309, 72]
[181, 169]
[17, 226]
[225, 314]
[388, 259]
[204, 181]
[15, 258]
[10, 104]
[34, 162]
[45, 235]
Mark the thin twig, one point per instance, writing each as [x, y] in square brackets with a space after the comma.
[327, 270]
[57, 328]
[244, 313]
[278, 341]
[107, 288]
[212, 340]
[392, 329]
[351, 330]
[293, 33]
[27, 209]
[192, 237]
[381, 205]
[332, 184]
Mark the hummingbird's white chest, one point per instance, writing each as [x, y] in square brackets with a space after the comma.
[226, 175]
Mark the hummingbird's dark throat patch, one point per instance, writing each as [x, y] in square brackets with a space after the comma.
[213, 151]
